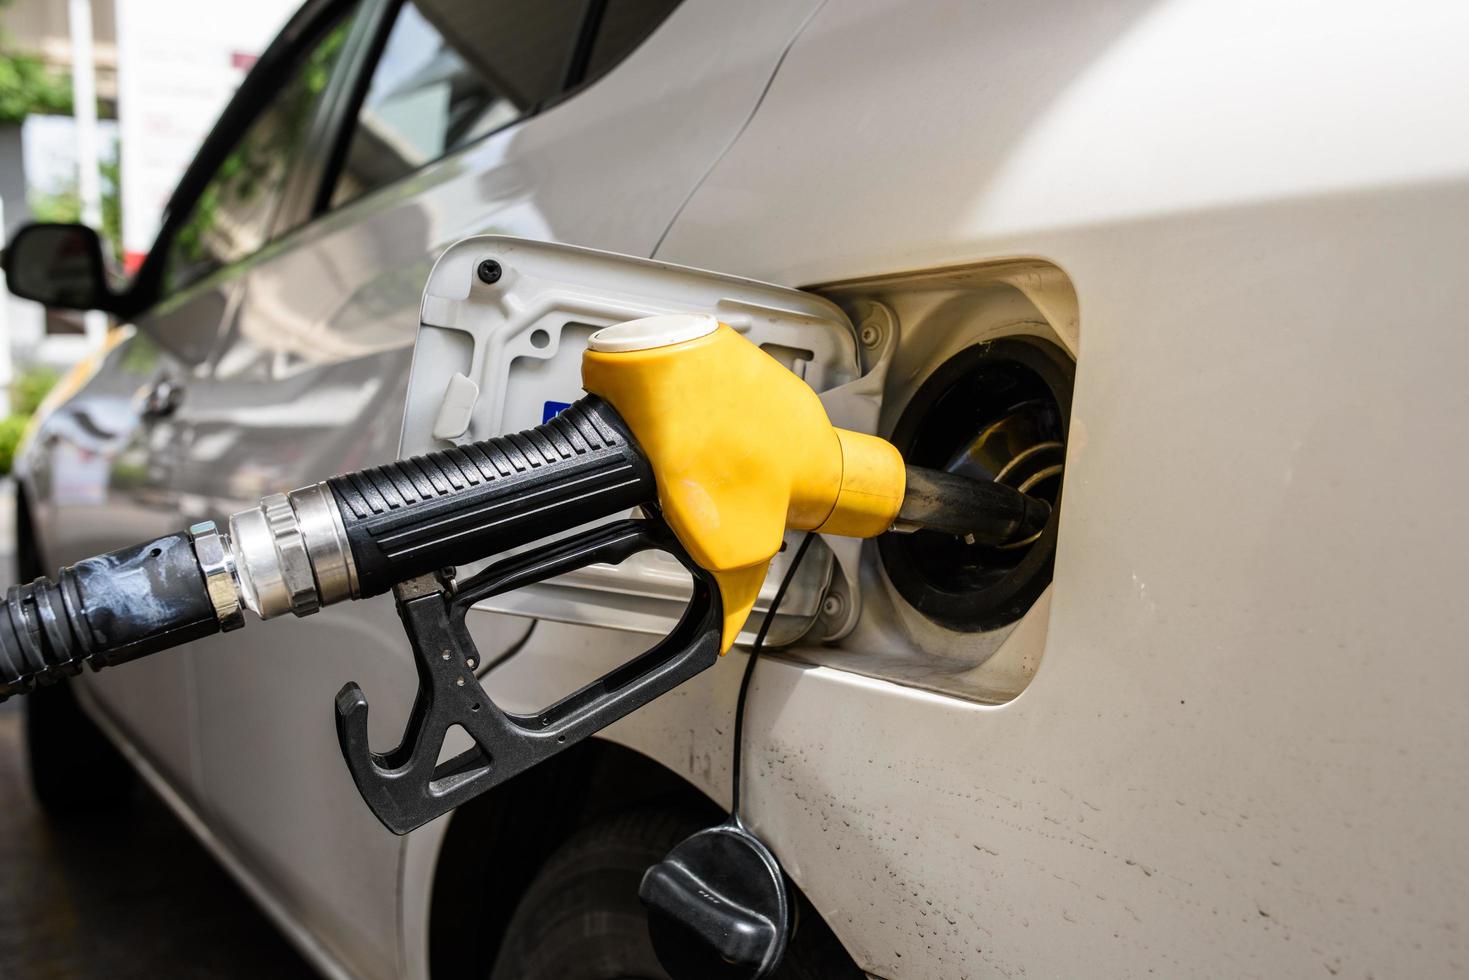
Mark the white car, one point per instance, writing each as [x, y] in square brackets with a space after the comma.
[1208, 256]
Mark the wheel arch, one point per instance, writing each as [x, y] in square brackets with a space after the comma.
[495, 844]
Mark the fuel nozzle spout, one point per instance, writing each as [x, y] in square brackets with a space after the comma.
[979, 511]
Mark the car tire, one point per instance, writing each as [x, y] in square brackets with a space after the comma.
[580, 919]
[74, 768]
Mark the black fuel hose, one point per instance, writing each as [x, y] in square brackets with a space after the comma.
[103, 611]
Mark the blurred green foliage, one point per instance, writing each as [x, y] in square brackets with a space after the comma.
[28, 85]
[12, 427]
[30, 387]
[27, 390]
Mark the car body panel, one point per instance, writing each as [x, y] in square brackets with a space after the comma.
[1236, 756]
[103, 472]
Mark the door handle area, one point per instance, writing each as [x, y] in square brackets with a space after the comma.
[163, 399]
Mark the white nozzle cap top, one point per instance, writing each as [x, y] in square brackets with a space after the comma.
[652, 331]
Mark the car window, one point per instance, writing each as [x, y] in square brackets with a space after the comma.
[623, 26]
[231, 217]
[450, 72]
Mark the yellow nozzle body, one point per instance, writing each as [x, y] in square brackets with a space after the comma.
[742, 450]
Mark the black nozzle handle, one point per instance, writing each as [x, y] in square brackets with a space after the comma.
[469, 502]
[103, 611]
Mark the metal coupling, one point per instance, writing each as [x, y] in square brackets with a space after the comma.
[217, 562]
[291, 553]
[320, 521]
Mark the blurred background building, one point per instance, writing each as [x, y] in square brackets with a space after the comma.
[102, 105]
[39, 173]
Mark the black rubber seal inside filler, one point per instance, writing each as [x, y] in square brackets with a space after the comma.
[1024, 383]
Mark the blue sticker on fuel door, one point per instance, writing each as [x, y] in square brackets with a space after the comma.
[552, 410]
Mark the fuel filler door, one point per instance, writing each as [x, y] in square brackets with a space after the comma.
[502, 330]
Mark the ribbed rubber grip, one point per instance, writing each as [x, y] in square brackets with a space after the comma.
[102, 611]
[474, 501]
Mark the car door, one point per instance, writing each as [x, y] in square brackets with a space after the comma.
[104, 479]
[471, 118]
[123, 450]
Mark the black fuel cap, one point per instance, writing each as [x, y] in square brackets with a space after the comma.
[718, 907]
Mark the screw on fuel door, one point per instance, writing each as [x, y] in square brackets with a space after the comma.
[718, 906]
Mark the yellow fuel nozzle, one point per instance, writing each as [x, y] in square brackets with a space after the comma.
[741, 448]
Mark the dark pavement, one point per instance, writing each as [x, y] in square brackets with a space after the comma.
[128, 896]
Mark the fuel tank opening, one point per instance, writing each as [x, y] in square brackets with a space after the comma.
[995, 411]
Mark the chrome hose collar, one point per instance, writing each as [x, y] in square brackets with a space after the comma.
[326, 542]
[258, 564]
[217, 563]
[290, 548]
[292, 554]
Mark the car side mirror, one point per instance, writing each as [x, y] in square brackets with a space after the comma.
[59, 265]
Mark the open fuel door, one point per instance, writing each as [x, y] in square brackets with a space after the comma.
[502, 330]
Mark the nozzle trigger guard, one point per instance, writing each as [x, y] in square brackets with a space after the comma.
[407, 787]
